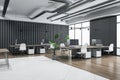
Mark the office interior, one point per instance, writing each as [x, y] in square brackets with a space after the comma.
[83, 34]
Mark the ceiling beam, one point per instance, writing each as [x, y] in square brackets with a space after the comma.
[56, 10]
[78, 3]
[6, 3]
[99, 7]
[87, 10]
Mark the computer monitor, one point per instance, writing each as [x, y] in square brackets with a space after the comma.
[93, 42]
[96, 42]
[74, 42]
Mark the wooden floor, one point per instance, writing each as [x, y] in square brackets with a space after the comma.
[107, 66]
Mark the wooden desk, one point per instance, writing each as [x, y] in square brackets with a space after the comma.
[37, 45]
[74, 47]
[15, 48]
[89, 47]
[5, 52]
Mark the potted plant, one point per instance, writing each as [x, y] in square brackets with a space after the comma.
[54, 45]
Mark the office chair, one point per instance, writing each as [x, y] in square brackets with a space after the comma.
[63, 50]
[110, 49]
[62, 45]
[22, 47]
[51, 46]
[84, 53]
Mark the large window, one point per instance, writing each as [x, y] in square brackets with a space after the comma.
[118, 31]
[71, 32]
[80, 31]
[86, 24]
[85, 36]
[118, 19]
[85, 33]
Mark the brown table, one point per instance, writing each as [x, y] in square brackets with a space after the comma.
[36, 45]
[74, 47]
[5, 52]
[89, 47]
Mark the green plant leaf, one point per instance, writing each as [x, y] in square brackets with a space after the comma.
[51, 42]
[54, 42]
[67, 37]
[56, 36]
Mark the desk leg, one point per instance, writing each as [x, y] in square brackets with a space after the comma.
[70, 54]
[6, 59]
[70, 57]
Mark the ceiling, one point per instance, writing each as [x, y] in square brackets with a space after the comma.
[25, 7]
[52, 10]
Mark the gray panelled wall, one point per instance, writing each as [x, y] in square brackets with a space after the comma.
[104, 29]
[28, 32]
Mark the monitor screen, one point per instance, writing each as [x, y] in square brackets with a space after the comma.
[74, 42]
[93, 41]
[96, 41]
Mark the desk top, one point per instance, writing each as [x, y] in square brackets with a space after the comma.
[78, 47]
[3, 50]
[38, 45]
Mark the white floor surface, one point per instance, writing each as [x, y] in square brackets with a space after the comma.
[43, 68]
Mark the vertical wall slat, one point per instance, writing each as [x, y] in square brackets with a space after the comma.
[28, 32]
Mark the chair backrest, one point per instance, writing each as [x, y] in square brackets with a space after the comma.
[51, 46]
[62, 45]
[84, 48]
[111, 47]
[22, 47]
